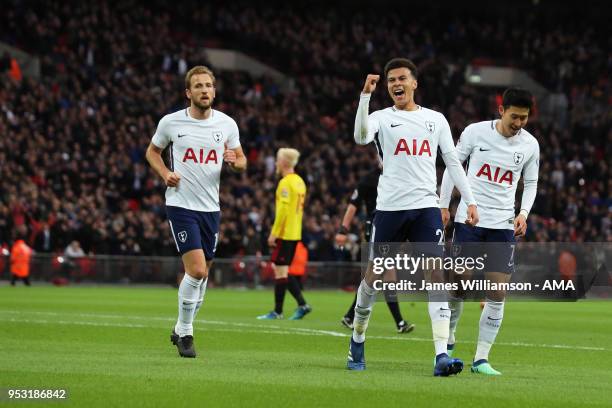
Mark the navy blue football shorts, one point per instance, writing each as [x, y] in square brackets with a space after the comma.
[194, 230]
[423, 225]
[497, 244]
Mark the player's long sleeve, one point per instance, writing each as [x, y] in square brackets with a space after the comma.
[280, 218]
[446, 190]
[458, 177]
[453, 165]
[463, 150]
[366, 126]
[530, 181]
[530, 189]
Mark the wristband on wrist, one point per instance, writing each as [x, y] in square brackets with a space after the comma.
[343, 230]
[524, 213]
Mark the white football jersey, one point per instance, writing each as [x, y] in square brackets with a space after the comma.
[407, 143]
[495, 166]
[196, 153]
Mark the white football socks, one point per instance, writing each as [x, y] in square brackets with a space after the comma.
[188, 293]
[456, 306]
[490, 322]
[440, 318]
[200, 298]
[363, 309]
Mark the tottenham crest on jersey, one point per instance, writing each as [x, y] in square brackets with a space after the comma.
[217, 136]
[182, 236]
[430, 126]
[518, 157]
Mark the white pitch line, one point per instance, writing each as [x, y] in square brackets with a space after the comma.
[261, 328]
[77, 323]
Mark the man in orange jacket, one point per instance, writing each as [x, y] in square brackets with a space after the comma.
[298, 265]
[20, 262]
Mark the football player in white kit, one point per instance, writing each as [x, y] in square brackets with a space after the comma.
[407, 137]
[498, 152]
[200, 140]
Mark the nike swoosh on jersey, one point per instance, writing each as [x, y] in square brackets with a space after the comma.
[484, 150]
[396, 124]
[182, 135]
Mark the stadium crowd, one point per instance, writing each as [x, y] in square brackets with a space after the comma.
[72, 142]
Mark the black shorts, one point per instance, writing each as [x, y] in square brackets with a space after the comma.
[283, 252]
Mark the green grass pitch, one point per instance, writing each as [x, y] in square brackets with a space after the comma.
[109, 346]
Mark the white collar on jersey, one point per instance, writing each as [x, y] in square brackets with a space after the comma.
[212, 112]
[494, 128]
[419, 107]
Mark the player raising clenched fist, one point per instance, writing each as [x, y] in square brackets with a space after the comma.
[407, 137]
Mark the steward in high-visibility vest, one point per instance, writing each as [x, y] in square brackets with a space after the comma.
[21, 254]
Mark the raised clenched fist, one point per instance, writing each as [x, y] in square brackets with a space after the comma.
[370, 83]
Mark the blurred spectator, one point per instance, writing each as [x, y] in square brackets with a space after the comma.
[44, 241]
[73, 251]
[73, 255]
[15, 70]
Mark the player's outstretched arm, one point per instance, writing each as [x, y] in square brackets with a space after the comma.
[366, 126]
[235, 158]
[154, 158]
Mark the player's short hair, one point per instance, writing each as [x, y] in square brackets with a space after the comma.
[402, 63]
[198, 69]
[292, 156]
[519, 97]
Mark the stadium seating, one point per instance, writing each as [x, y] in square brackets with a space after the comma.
[72, 142]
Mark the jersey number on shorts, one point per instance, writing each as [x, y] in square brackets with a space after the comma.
[441, 234]
[511, 260]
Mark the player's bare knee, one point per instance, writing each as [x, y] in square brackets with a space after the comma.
[198, 271]
[496, 295]
[281, 271]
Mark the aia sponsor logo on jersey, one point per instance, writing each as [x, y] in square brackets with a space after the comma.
[204, 158]
[416, 148]
[495, 174]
